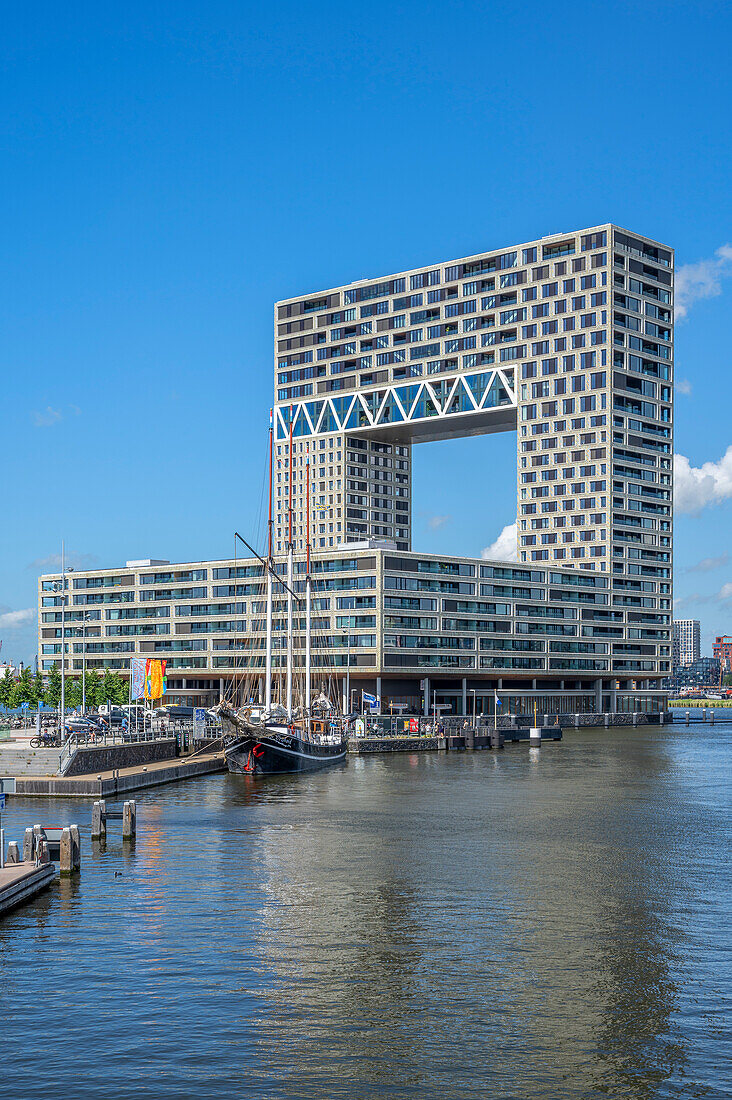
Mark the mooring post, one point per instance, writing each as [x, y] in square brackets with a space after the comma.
[76, 845]
[42, 855]
[712, 716]
[129, 820]
[66, 852]
[28, 845]
[99, 820]
[13, 852]
[37, 841]
[688, 716]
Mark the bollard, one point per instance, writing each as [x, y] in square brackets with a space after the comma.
[607, 721]
[28, 846]
[635, 719]
[129, 820]
[576, 721]
[76, 843]
[712, 716]
[13, 852]
[688, 716]
[66, 852]
[99, 820]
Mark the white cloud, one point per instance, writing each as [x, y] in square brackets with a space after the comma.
[695, 487]
[504, 548]
[47, 417]
[435, 522]
[10, 620]
[725, 592]
[683, 386]
[708, 565]
[702, 279]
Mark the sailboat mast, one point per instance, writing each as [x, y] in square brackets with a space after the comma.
[289, 582]
[307, 585]
[268, 655]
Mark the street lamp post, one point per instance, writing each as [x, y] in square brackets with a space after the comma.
[60, 586]
[84, 621]
[347, 638]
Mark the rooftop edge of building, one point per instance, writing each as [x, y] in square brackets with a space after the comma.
[473, 256]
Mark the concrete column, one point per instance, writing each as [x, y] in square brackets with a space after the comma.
[28, 846]
[99, 820]
[378, 687]
[221, 687]
[426, 698]
[465, 696]
[129, 820]
[598, 695]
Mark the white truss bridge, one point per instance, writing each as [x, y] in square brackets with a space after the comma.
[472, 403]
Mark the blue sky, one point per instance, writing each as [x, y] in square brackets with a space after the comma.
[169, 170]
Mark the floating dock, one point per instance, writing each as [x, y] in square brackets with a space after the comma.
[19, 882]
[469, 740]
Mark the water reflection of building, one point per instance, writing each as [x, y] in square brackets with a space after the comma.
[476, 922]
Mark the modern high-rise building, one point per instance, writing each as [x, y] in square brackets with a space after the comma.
[566, 341]
[687, 642]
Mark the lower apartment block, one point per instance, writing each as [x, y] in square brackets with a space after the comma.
[414, 629]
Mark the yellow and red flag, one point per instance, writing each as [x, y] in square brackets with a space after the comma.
[155, 679]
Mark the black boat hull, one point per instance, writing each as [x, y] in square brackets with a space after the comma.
[280, 754]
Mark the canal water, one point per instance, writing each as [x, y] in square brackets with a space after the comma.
[544, 923]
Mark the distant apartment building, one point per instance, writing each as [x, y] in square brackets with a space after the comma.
[722, 650]
[687, 642]
[565, 341]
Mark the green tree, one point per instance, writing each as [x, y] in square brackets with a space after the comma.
[38, 688]
[52, 694]
[118, 687]
[72, 692]
[6, 687]
[93, 688]
[25, 692]
[728, 679]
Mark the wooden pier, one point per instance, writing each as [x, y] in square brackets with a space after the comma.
[119, 781]
[19, 882]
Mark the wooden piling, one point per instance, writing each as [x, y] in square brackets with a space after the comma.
[28, 846]
[13, 852]
[129, 820]
[66, 852]
[99, 820]
[76, 845]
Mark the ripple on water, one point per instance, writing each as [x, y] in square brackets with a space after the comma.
[550, 924]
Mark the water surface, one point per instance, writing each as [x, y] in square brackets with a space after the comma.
[532, 923]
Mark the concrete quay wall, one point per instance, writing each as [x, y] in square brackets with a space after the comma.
[90, 759]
